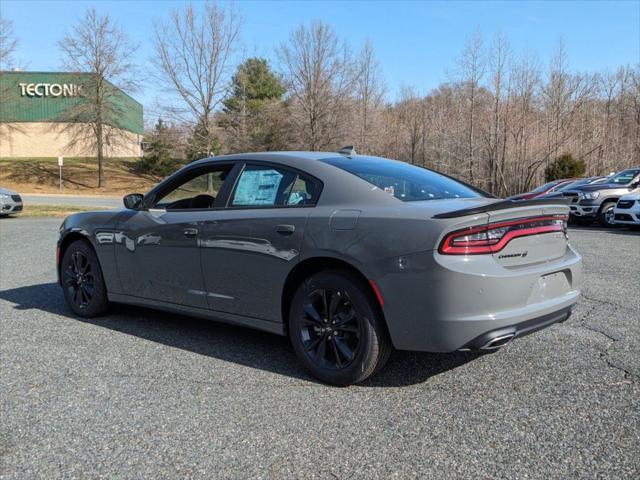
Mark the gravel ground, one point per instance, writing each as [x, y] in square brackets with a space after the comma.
[142, 394]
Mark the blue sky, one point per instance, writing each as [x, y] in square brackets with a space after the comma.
[416, 42]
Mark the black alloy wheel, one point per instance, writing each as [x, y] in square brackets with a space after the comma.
[337, 328]
[82, 281]
[79, 280]
[331, 328]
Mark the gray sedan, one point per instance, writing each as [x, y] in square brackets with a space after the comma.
[350, 256]
[10, 202]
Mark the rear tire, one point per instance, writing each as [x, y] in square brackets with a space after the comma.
[605, 215]
[82, 281]
[337, 329]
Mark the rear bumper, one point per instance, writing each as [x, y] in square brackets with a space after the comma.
[440, 308]
[491, 340]
[464, 333]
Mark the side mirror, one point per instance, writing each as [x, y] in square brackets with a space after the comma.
[133, 201]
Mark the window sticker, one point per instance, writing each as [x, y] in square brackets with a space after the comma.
[257, 187]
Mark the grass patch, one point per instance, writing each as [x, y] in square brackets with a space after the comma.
[80, 176]
[54, 211]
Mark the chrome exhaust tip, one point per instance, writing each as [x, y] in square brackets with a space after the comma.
[498, 342]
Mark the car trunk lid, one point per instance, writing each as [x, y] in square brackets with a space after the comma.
[515, 233]
[543, 229]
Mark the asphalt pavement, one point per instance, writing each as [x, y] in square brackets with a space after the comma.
[142, 394]
[74, 200]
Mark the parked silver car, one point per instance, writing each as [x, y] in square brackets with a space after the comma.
[10, 202]
[348, 255]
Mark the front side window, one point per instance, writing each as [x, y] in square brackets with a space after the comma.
[404, 181]
[197, 192]
[263, 186]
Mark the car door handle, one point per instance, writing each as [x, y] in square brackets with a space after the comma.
[190, 232]
[285, 229]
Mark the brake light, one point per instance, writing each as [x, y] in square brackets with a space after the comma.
[493, 237]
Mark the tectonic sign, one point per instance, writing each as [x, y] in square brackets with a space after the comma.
[50, 90]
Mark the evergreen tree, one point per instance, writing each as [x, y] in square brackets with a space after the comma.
[159, 158]
[253, 116]
[565, 166]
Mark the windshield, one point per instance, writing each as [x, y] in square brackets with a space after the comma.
[584, 181]
[404, 181]
[624, 176]
[545, 187]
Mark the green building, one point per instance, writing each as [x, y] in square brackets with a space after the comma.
[49, 114]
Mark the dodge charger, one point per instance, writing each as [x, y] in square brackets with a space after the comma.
[348, 255]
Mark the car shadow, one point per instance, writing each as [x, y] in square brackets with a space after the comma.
[230, 343]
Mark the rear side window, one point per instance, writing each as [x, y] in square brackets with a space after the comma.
[264, 186]
[404, 181]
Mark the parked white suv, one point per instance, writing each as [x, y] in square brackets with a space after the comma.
[10, 202]
[627, 210]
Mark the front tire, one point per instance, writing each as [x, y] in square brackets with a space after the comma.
[606, 216]
[337, 329]
[82, 281]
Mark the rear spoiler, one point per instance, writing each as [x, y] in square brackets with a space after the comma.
[503, 205]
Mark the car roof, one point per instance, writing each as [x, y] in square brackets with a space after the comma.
[299, 155]
[305, 161]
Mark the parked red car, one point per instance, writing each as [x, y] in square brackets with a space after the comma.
[543, 189]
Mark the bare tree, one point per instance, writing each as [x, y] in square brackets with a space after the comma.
[99, 47]
[370, 92]
[8, 43]
[320, 73]
[193, 55]
[634, 100]
[564, 94]
[410, 113]
[523, 125]
[495, 133]
[472, 68]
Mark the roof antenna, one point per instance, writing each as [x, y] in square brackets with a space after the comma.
[348, 151]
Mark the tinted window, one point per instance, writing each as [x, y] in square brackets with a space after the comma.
[197, 192]
[404, 181]
[624, 176]
[268, 186]
[569, 186]
[545, 187]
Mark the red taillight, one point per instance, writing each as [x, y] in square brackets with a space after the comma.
[493, 237]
